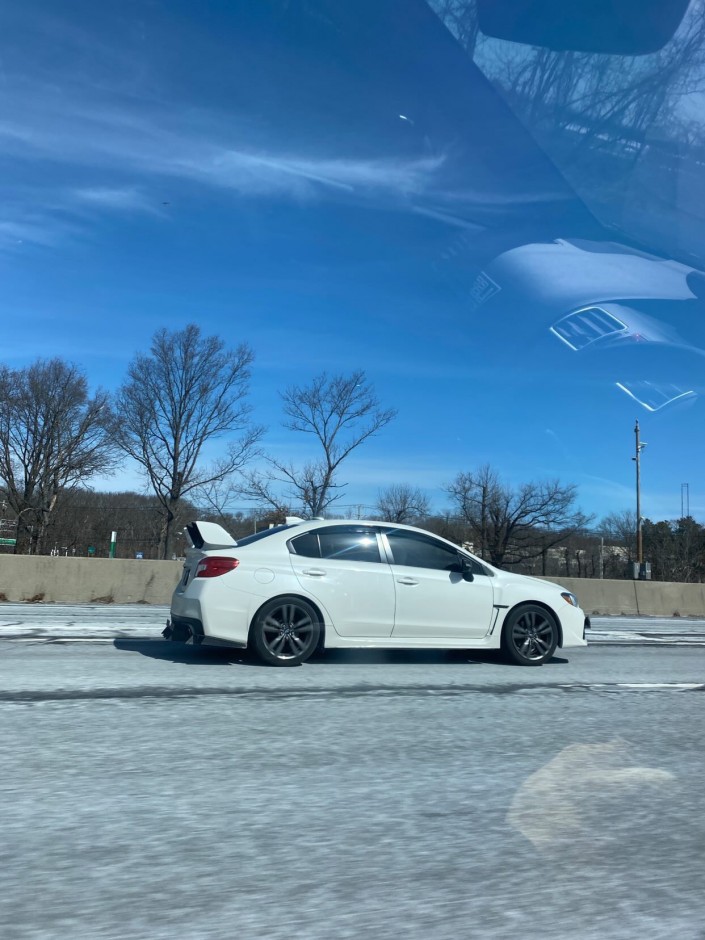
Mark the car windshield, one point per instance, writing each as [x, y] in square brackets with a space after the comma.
[409, 297]
[498, 245]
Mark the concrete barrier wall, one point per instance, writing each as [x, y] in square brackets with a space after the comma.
[87, 580]
[603, 597]
[122, 581]
[648, 598]
[665, 599]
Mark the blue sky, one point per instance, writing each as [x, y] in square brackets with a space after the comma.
[314, 189]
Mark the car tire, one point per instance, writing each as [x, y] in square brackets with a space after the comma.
[529, 635]
[286, 631]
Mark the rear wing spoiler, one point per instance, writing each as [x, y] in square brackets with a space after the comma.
[207, 535]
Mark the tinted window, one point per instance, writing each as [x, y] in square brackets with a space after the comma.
[350, 544]
[418, 551]
[343, 543]
[256, 536]
[306, 544]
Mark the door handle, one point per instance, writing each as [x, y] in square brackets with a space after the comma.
[314, 572]
[407, 581]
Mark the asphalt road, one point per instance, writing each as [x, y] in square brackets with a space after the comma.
[98, 621]
[154, 791]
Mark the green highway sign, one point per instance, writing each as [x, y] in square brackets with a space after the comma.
[8, 541]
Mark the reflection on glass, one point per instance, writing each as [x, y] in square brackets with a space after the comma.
[653, 396]
[583, 327]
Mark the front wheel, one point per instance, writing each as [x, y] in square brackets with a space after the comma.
[286, 631]
[529, 635]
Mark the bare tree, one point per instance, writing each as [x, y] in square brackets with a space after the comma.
[340, 413]
[262, 488]
[188, 392]
[510, 525]
[402, 503]
[53, 436]
[616, 97]
[216, 499]
[618, 529]
[597, 114]
[460, 17]
[676, 549]
[472, 494]
[83, 522]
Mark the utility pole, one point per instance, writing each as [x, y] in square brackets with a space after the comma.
[685, 500]
[640, 445]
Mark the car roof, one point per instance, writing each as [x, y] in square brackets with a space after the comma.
[308, 525]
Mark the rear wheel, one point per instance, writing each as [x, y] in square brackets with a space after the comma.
[530, 635]
[286, 631]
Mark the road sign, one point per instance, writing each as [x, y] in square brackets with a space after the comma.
[8, 541]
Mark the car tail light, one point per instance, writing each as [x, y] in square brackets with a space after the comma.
[215, 565]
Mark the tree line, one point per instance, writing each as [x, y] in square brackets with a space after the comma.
[83, 521]
[190, 391]
[186, 393]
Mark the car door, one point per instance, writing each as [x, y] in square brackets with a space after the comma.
[344, 568]
[432, 598]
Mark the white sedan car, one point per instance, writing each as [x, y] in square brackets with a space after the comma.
[290, 590]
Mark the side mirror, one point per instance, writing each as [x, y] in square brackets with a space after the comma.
[466, 570]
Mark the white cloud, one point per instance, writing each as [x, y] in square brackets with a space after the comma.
[190, 145]
[126, 146]
[37, 230]
[124, 199]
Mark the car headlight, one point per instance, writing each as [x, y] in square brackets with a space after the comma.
[570, 598]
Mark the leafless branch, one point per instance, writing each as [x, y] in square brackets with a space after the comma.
[189, 391]
[340, 412]
[53, 437]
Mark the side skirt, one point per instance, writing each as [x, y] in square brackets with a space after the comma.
[333, 641]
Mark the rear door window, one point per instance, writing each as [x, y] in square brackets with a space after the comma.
[340, 543]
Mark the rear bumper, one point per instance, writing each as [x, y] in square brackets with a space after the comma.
[211, 611]
[183, 629]
[190, 630]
